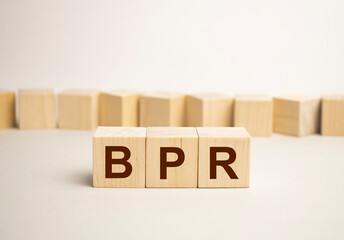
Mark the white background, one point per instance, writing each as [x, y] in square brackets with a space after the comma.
[246, 46]
[237, 46]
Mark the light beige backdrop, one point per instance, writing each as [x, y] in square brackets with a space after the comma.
[185, 45]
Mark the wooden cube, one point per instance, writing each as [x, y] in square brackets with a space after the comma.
[224, 157]
[7, 109]
[119, 157]
[332, 122]
[254, 112]
[79, 109]
[296, 115]
[37, 109]
[209, 110]
[171, 157]
[162, 109]
[119, 108]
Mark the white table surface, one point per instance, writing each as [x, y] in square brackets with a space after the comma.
[297, 192]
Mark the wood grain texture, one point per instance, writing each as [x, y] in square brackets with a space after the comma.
[134, 138]
[37, 109]
[184, 175]
[7, 109]
[297, 115]
[119, 108]
[162, 109]
[209, 110]
[236, 138]
[78, 109]
[255, 113]
[332, 122]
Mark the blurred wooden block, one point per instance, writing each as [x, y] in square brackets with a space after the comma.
[162, 109]
[7, 109]
[37, 109]
[119, 108]
[296, 115]
[209, 110]
[79, 109]
[119, 157]
[332, 122]
[171, 157]
[255, 113]
[224, 157]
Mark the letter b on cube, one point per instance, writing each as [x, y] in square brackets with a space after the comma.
[119, 157]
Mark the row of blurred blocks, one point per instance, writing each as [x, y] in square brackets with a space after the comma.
[295, 115]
